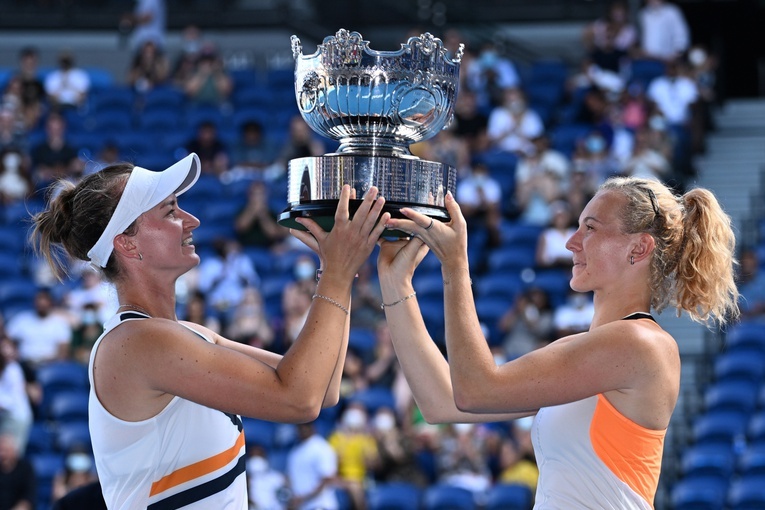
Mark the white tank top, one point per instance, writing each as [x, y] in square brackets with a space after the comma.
[187, 456]
[591, 456]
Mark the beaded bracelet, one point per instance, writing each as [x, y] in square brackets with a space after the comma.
[383, 305]
[330, 300]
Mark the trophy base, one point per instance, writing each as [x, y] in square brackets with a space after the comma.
[324, 215]
[314, 185]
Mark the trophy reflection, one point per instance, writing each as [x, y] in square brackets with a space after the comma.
[375, 104]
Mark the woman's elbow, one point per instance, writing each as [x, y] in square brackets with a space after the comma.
[467, 402]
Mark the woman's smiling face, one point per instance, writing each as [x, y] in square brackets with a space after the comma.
[165, 236]
[600, 248]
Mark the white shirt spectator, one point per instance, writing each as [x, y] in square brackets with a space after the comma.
[151, 21]
[265, 484]
[225, 277]
[674, 97]
[575, 315]
[15, 410]
[511, 133]
[40, 339]
[664, 30]
[470, 188]
[308, 465]
[67, 87]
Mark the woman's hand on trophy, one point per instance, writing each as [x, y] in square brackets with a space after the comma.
[448, 241]
[398, 259]
[348, 245]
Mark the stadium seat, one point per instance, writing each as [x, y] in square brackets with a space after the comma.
[394, 496]
[755, 431]
[699, 494]
[505, 285]
[507, 258]
[373, 398]
[164, 98]
[508, 496]
[448, 497]
[58, 376]
[514, 233]
[745, 335]
[73, 435]
[751, 462]
[740, 365]
[41, 438]
[708, 460]
[364, 342]
[747, 493]
[738, 396]
[46, 466]
[260, 432]
[68, 406]
[719, 427]
[430, 284]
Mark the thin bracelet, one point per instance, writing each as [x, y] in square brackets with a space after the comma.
[383, 305]
[329, 299]
[447, 282]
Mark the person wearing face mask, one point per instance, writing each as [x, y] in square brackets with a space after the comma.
[78, 472]
[357, 452]
[268, 487]
[15, 181]
[396, 451]
[512, 125]
[85, 334]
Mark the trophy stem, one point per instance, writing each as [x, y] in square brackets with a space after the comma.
[374, 146]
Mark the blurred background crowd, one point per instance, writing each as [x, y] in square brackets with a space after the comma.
[531, 140]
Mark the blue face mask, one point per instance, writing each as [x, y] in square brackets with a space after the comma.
[595, 144]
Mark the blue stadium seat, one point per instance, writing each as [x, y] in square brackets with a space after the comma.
[505, 285]
[260, 432]
[708, 460]
[59, 376]
[515, 233]
[755, 431]
[508, 258]
[115, 97]
[373, 398]
[745, 335]
[394, 496]
[508, 496]
[644, 71]
[746, 365]
[364, 342]
[565, 136]
[738, 396]
[41, 438]
[699, 494]
[747, 493]
[46, 466]
[448, 497]
[160, 118]
[719, 427]
[71, 435]
[428, 284]
[164, 98]
[68, 406]
[751, 462]
[547, 71]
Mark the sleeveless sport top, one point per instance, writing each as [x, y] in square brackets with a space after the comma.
[187, 456]
[591, 456]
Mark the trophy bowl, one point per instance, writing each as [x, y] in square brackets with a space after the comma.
[375, 104]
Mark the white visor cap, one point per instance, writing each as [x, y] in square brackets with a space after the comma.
[144, 190]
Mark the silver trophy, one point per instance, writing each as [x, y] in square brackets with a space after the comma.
[375, 103]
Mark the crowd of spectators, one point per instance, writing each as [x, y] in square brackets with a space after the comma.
[530, 141]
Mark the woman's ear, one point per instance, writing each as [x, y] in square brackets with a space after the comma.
[125, 247]
[642, 248]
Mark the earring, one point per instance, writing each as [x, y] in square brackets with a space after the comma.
[140, 257]
[632, 261]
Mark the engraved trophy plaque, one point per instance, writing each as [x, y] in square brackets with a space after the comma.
[375, 104]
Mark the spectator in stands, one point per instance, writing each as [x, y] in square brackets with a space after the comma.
[354, 374]
[15, 408]
[15, 182]
[301, 143]
[512, 124]
[396, 462]
[489, 75]
[109, 154]
[593, 158]
[312, 471]
[43, 333]
[356, 450]
[480, 195]
[470, 123]
[249, 323]
[147, 22]
[645, 161]
[67, 86]
[85, 333]
[446, 147]
[574, 316]
[366, 299]
[541, 176]
[54, 158]
[12, 133]
[612, 30]
[517, 469]
[382, 370]
[17, 477]
[551, 244]
[224, 277]
[751, 286]
[461, 458]
[91, 291]
[191, 45]
[674, 94]
[209, 83]
[149, 68]
[33, 387]
[664, 33]
[638, 246]
[256, 224]
[175, 379]
[212, 151]
[32, 88]
[196, 311]
[78, 472]
[296, 305]
[253, 151]
[528, 324]
[87, 497]
[702, 69]
[267, 486]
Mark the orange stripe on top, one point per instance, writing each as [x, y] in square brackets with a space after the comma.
[198, 469]
[632, 452]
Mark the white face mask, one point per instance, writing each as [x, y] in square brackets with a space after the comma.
[697, 56]
[384, 422]
[354, 419]
[463, 428]
[257, 464]
[304, 270]
[79, 462]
